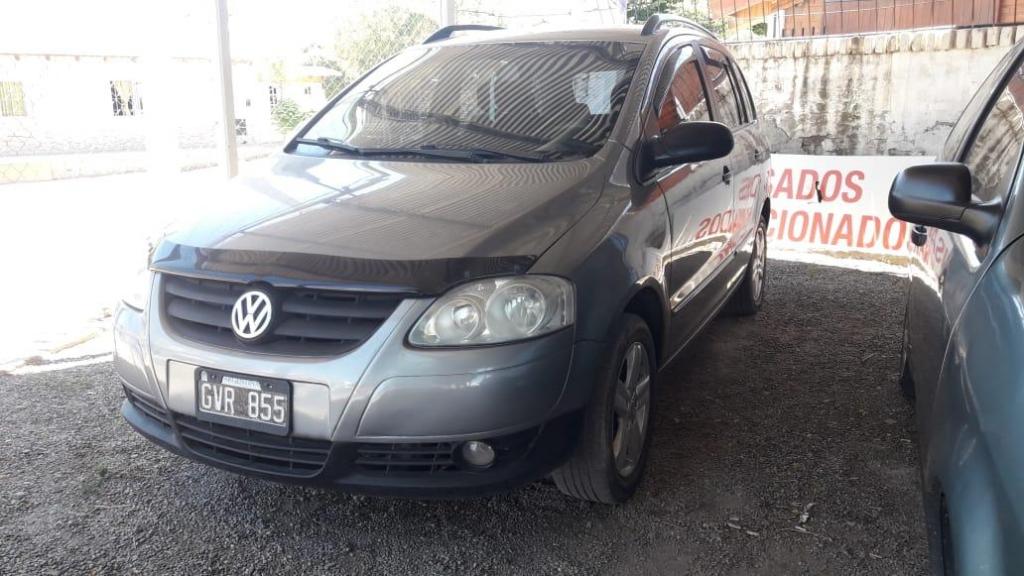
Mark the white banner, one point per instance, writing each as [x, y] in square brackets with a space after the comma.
[837, 204]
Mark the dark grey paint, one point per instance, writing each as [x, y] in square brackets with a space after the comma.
[414, 211]
[418, 227]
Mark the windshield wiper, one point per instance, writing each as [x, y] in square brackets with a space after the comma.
[331, 144]
[489, 154]
[470, 154]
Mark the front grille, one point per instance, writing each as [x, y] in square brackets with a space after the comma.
[424, 457]
[149, 408]
[307, 322]
[280, 455]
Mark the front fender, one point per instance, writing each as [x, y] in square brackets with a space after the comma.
[617, 249]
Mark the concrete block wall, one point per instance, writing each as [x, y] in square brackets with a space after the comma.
[895, 93]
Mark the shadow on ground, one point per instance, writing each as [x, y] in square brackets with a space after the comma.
[795, 410]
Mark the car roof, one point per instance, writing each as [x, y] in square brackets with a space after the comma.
[620, 33]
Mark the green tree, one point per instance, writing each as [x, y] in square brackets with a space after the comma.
[287, 115]
[638, 11]
[368, 40]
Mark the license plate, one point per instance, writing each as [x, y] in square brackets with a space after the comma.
[262, 404]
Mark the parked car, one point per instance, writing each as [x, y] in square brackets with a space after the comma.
[465, 272]
[962, 360]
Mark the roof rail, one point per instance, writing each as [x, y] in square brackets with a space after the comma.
[655, 22]
[446, 32]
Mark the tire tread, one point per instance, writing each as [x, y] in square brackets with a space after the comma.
[581, 476]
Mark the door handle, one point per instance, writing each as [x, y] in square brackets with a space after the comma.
[758, 155]
[726, 175]
[918, 235]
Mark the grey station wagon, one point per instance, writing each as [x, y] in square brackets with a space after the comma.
[465, 272]
[962, 353]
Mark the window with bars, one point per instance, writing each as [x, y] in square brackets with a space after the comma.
[125, 98]
[273, 95]
[12, 99]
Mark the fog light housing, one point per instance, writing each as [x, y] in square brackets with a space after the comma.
[477, 454]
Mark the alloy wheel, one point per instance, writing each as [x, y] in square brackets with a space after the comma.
[632, 409]
[760, 258]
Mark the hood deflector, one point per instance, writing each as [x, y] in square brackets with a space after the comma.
[413, 277]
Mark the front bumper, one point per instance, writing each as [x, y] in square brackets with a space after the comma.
[382, 402]
[522, 457]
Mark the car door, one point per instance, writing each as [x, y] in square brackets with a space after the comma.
[752, 186]
[733, 108]
[963, 335]
[699, 197]
[948, 266]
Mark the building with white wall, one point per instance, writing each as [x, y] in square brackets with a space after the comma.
[80, 103]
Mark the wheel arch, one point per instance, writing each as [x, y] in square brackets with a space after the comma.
[647, 301]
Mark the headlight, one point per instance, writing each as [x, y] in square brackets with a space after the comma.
[497, 310]
[137, 293]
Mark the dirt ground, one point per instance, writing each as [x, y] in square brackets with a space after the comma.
[781, 447]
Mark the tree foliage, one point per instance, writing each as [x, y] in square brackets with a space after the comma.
[286, 115]
[364, 42]
[638, 11]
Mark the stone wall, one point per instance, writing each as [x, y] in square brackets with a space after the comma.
[879, 94]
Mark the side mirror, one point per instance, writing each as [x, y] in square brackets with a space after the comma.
[687, 142]
[939, 195]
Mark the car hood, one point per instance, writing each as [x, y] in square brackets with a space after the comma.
[412, 226]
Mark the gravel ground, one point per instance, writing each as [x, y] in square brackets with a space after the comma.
[765, 418]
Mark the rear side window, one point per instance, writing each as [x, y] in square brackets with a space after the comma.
[684, 99]
[749, 99]
[720, 84]
[996, 149]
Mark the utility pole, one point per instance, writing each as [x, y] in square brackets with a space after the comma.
[447, 12]
[226, 139]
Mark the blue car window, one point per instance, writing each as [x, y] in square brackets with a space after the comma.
[996, 149]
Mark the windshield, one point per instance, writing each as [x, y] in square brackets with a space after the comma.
[509, 102]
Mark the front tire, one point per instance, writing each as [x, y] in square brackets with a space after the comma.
[750, 295]
[612, 453]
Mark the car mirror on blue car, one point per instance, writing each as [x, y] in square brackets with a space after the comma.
[939, 195]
